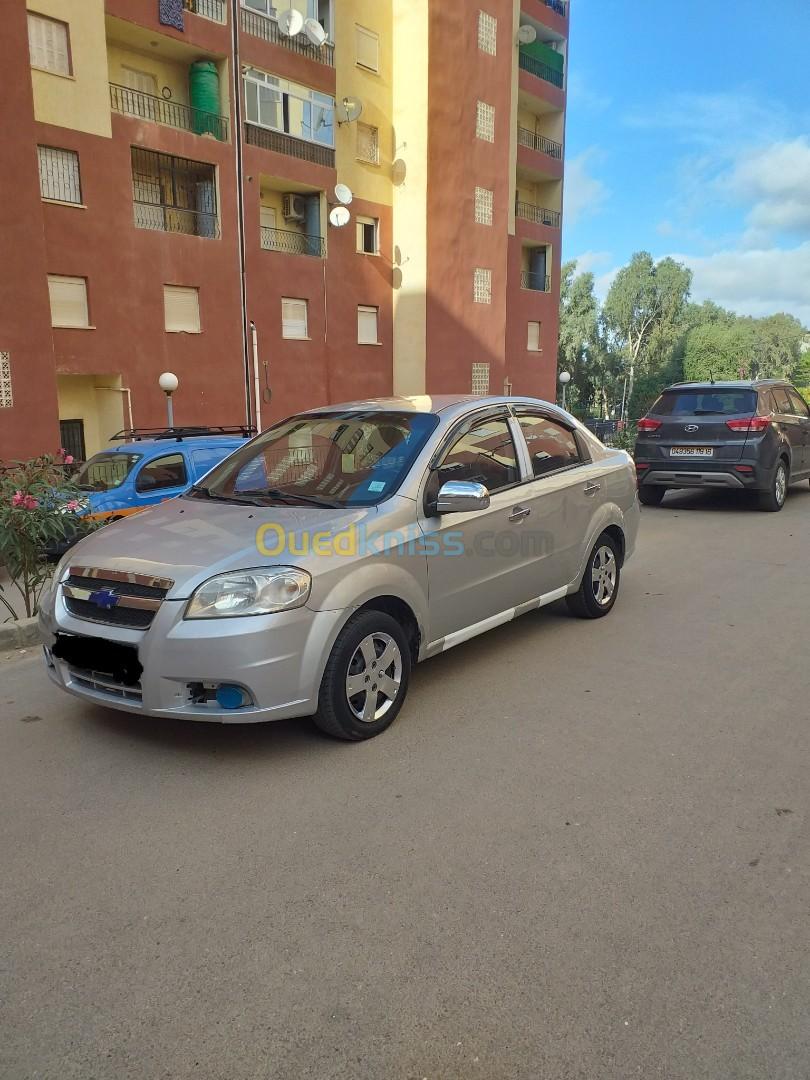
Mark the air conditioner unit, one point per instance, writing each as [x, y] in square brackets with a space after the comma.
[294, 207]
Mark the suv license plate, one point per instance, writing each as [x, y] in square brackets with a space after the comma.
[691, 451]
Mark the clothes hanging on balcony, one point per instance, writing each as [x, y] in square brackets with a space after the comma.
[170, 13]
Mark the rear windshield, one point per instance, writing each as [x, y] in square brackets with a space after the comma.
[705, 403]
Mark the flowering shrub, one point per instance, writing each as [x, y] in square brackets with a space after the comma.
[38, 507]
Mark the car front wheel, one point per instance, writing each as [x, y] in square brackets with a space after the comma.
[600, 584]
[366, 678]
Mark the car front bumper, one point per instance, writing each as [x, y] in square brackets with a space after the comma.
[277, 660]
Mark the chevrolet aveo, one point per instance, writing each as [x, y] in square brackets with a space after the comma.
[308, 572]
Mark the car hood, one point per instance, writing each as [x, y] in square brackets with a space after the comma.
[191, 540]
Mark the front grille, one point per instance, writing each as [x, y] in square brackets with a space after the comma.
[114, 598]
[101, 684]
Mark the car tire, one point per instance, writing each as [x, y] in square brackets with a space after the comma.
[651, 496]
[774, 498]
[376, 704]
[600, 583]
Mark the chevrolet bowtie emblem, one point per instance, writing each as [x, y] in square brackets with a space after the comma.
[105, 599]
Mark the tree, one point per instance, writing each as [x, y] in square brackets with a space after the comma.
[644, 312]
[579, 334]
[719, 351]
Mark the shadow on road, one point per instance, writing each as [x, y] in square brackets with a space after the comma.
[718, 501]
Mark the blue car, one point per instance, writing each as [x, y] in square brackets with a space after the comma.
[152, 465]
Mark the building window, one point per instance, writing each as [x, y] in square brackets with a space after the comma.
[173, 194]
[367, 46]
[483, 205]
[68, 300]
[142, 82]
[485, 122]
[482, 286]
[533, 344]
[368, 144]
[487, 33]
[368, 235]
[480, 379]
[267, 217]
[59, 174]
[294, 319]
[368, 325]
[71, 438]
[6, 396]
[49, 44]
[287, 107]
[181, 309]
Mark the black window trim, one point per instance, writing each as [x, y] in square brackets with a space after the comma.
[465, 423]
[584, 453]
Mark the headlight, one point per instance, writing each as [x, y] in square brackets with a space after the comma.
[250, 592]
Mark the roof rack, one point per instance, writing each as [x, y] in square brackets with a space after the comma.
[180, 433]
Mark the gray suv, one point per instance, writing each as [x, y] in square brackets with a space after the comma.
[752, 436]
[310, 570]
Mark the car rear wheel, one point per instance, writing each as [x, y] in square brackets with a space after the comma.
[774, 498]
[366, 678]
[651, 496]
[600, 584]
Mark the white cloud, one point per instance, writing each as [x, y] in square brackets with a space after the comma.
[584, 194]
[775, 181]
[589, 261]
[712, 120]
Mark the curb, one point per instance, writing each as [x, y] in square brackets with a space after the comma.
[20, 635]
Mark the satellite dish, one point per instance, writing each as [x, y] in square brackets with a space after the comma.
[527, 35]
[349, 110]
[399, 171]
[339, 217]
[291, 22]
[343, 194]
[315, 32]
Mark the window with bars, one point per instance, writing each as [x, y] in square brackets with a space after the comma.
[294, 318]
[6, 396]
[482, 286]
[368, 144]
[368, 235]
[59, 174]
[484, 199]
[174, 194]
[367, 46]
[533, 344]
[49, 44]
[480, 379]
[485, 122]
[368, 325]
[487, 33]
[68, 296]
[181, 309]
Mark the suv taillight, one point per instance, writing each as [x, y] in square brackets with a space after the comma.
[646, 424]
[750, 424]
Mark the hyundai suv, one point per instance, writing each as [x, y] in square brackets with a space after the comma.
[752, 435]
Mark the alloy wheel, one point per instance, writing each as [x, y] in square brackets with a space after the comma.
[780, 484]
[374, 678]
[604, 575]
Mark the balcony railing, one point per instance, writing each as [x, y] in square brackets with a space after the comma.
[171, 113]
[214, 10]
[541, 70]
[540, 143]
[292, 243]
[262, 26]
[560, 6]
[536, 282]
[538, 214]
[174, 219]
[290, 145]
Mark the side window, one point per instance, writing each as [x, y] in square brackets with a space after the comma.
[164, 472]
[782, 400]
[551, 446]
[205, 460]
[485, 454]
[799, 404]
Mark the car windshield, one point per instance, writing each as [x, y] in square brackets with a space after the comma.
[103, 472]
[351, 458]
[706, 402]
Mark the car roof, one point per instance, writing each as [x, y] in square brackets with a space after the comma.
[146, 446]
[424, 403]
[738, 384]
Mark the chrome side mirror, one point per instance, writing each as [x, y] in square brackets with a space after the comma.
[461, 497]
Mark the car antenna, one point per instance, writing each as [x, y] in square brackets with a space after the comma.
[711, 376]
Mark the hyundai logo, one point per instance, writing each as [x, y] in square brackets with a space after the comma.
[104, 599]
[691, 427]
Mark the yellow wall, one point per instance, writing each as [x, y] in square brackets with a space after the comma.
[175, 76]
[372, 182]
[81, 101]
[410, 135]
[82, 397]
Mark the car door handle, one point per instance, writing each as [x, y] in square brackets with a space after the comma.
[591, 488]
[519, 513]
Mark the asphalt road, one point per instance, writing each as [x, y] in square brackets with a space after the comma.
[581, 852]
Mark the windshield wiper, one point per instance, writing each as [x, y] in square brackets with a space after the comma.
[207, 493]
[312, 500]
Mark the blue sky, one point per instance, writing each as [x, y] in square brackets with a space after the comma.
[689, 135]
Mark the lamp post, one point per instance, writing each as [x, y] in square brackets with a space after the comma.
[565, 379]
[168, 383]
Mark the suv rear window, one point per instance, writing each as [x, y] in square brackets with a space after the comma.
[705, 403]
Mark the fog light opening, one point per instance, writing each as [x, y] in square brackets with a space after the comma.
[226, 696]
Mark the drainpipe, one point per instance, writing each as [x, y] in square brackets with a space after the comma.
[257, 397]
[236, 134]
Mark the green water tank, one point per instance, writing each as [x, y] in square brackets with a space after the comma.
[203, 94]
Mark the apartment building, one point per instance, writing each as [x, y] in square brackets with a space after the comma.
[171, 172]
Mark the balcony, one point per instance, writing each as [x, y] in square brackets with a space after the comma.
[170, 113]
[291, 242]
[535, 282]
[540, 143]
[542, 70]
[282, 143]
[175, 219]
[266, 28]
[214, 10]
[560, 6]
[538, 214]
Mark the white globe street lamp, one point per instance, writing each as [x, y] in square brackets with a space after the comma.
[168, 383]
[565, 379]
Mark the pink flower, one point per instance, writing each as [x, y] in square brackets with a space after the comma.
[30, 503]
[17, 498]
[73, 505]
[62, 451]
[68, 459]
